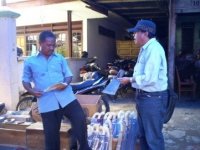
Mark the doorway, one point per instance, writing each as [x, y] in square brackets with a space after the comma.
[187, 37]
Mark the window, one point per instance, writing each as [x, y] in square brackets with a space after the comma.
[21, 43]
[31, 44]
[30, 36]
[76, 44]
[61, 44]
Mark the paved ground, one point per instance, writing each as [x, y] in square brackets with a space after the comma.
[182, 132]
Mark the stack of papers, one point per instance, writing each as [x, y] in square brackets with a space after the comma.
[112, 87]
[54, 87]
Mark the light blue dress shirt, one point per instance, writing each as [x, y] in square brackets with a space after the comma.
[150, 71]
[44, 73]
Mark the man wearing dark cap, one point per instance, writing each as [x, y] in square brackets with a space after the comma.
[150, 80]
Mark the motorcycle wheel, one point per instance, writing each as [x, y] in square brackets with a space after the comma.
[25, 103]
[3, 111]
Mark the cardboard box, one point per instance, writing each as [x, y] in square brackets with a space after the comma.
[13, 134]
[114, 143]
[90, 104]
[21, 126]
[35, 136]
[12, 137]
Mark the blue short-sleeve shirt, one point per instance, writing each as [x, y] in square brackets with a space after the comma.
[45, 73]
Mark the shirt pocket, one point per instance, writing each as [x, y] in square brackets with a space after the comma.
[55, 68]
[139, 67]
[141, 60]
[39, 75]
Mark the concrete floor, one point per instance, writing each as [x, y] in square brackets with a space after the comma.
[182, 132]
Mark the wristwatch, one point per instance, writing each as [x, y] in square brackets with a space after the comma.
[64, 83]
[131, 79]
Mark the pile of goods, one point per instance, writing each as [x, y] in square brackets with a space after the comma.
[116, 131]
[16, 117]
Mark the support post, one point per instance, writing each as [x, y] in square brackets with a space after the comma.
[69, 29]
[3, 3]
[9, 88]
[171, 44]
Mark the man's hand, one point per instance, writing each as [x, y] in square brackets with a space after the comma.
[36, 93]
[124, 80]
[31, 90]
[61, 86]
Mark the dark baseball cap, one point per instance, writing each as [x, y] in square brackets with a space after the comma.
[144, 25]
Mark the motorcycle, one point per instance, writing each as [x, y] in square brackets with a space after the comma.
[120, 68]
[2, 108]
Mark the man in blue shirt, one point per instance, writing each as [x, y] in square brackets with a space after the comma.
[150, 80]
[46, 69]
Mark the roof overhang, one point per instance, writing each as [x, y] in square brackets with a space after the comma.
[55, 12]
[134, 10]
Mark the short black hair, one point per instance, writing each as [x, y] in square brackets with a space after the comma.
[46, 34]
[150, 35]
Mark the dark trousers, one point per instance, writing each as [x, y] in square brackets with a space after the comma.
[151, 108]
[52, 122]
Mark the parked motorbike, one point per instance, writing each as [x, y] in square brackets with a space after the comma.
[124, 64]
[2, 108]
[120, 68]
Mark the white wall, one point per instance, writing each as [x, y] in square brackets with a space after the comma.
[20, 66]
[84, 36]
[102, 46]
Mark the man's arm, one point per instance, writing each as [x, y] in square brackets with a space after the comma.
[64, 84]
[126, 80]
[68, 80]
[32, 91]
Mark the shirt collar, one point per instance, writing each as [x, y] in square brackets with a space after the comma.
[148, 43]
[53, 54]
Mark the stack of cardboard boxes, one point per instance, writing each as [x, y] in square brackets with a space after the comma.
[30, 134]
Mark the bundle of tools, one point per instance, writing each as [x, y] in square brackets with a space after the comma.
[113, 131]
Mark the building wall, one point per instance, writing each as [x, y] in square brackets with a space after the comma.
[178, 38]
[197, 36]
[20, 66]
[102, 46]
[185, 19]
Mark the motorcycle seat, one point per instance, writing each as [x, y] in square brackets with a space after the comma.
[81, 85]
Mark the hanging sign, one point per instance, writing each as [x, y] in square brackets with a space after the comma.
[187, 6]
